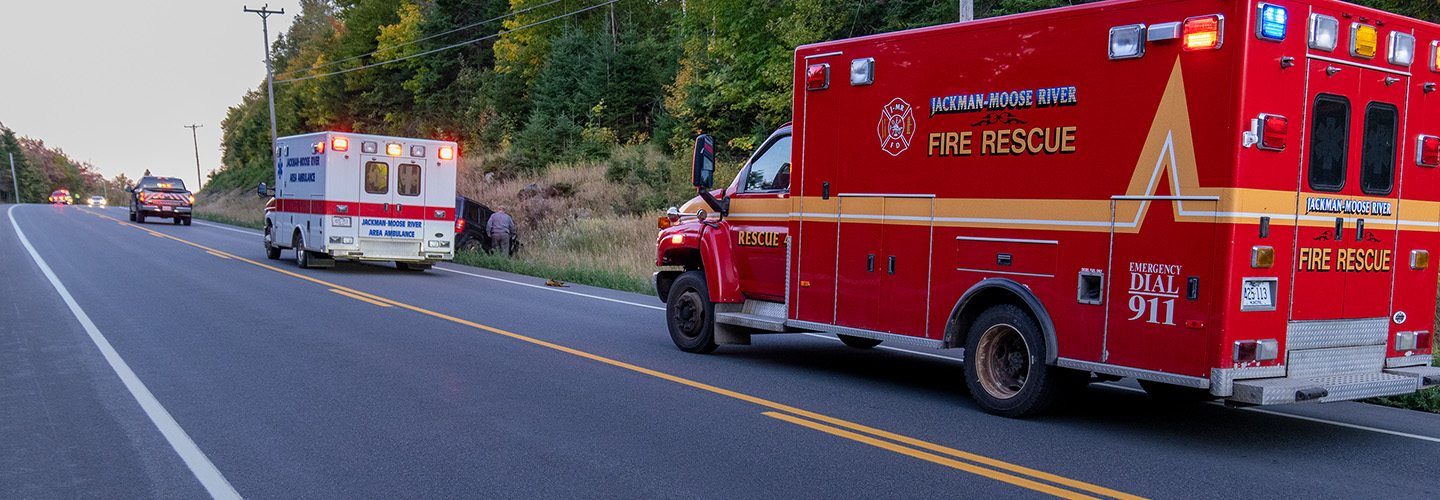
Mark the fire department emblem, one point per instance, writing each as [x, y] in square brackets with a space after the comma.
[897, 126]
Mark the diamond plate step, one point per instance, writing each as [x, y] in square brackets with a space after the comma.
[1271, 391]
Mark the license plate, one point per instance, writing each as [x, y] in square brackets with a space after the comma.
[1257, 295]
[165, 209]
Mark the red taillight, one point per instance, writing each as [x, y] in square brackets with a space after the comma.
[1422, 340]
[1273, 129]
[1203, 33]
[340, 144]
[1245, 351]
[1429, 153]
[817, 77]
[459, 225]
[447, 153]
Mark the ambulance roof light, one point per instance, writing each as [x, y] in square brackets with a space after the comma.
[1363, 40]
[1203, 32]
[417, 151]
[392, 149]
[447, 153]
[1271, 22]
[1435, 56]
[862, 71]
[1324, 32]
[1127, 42]
[369, 147]
[340, 144]
[1401, 49]
[817, 76]
[318, 147]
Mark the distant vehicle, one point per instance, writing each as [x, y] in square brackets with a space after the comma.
[470, 219]
[162, 197]
[61, 197]
[361, 197]
[97, 201]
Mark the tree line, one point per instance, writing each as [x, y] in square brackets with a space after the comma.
[523, 84]
[42, 170]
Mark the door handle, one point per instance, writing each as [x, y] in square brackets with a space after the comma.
[386, 207]
[1339, 227]
[891, 265]
[1359, 229]
[870, 263]
[399, 207]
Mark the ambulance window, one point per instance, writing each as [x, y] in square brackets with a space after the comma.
[377, 177]
[1377, 154]
[409, 182]
[771, 170]
[1329, 134]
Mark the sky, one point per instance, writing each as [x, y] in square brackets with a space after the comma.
[115, 83]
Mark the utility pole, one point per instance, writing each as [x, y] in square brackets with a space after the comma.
[14, 177]
[264, 13]
[967, 10]
[193, 135]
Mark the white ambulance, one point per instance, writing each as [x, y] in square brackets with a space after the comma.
[362, 197]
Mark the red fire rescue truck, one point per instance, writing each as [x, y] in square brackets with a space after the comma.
[361, 197]
[1230, 199]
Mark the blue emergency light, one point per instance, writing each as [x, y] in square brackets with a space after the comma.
[1272, 21]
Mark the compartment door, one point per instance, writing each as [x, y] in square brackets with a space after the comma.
[859, 264]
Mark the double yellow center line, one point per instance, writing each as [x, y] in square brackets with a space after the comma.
[960, 460]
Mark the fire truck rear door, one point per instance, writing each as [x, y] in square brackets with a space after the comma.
[1372, 258]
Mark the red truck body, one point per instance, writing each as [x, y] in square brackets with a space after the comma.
[1164, 188]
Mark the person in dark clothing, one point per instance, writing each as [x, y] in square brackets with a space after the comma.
[501, 228]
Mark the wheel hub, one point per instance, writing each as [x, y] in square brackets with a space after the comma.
[688, 312]
[1002, 361]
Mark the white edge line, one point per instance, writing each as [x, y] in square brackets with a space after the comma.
[199, 464]
[227, 228]
[1302, 417]
[931, 355]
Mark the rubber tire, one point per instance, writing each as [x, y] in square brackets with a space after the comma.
[472, 245]
[858, 342]
[132, 216]
[302, 258]
[407, 266]
[1041, 384]
[187, 221]
[689, 314]
[139, 218]
[176, 221]
[272, 252]
[1175, 394]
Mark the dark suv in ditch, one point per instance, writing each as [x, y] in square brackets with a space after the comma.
[162, 197]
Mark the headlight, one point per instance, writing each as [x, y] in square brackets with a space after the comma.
[437, 244]
[342, 240]
[340, 221]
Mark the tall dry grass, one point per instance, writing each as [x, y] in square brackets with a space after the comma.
[240, 208]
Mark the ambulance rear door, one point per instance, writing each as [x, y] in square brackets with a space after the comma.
[377, 189]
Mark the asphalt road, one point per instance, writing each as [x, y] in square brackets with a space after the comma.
[179, 363]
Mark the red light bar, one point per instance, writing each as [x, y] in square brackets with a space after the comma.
[447, 153]
[817, 76]
[1203, 33]
[340, 144]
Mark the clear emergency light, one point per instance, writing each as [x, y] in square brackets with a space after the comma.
[1401, 49]
[1324, 32]
[1363, 40]
[340, 144]
[862, 71]
[417, 151]
[1271, 22]
[1127, 42]
[1427, 152]
[1203, 32]
[392, 149]
[447, 153]
[369, 147]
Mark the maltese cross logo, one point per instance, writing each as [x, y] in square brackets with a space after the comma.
[897, 126]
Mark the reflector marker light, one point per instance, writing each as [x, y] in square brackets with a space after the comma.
[1419, 259]
[1203, 32]
[817, 76]
[1273, 129]
[392, 149]
[1363, 40]
[447, 153]
[1127, 42]
[1262, 256]
[1324, 32]
[1271, 22]
[1427, 152]
[1401, 49]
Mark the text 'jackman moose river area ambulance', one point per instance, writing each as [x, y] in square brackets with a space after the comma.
[360, 197]
[1221, 198]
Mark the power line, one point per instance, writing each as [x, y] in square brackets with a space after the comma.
[487, 37]
[318, 66]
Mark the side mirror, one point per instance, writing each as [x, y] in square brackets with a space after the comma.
[703, 166]
[129, 189]
[262, 190]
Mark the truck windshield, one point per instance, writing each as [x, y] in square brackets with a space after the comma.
[162, 183]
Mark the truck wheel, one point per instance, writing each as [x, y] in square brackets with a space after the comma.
[1175, 394]
[302, 258]
[410, 266]
[272, 252]
[1005, 364]
[858, 342]
[139, 217]
[176, 221]
[472, 245]
[690, 314]
[187, 221]
[132, 216]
